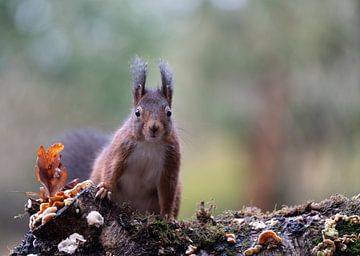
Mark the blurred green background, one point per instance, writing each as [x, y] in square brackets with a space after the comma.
[267, 97]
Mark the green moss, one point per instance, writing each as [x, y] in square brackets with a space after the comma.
[246, 244]
[206, 235]
[231, 251]
[354, 249]
[245, 230]
[162, 230]
[156, 233]
[205, 212]
[317, 240]
[347, 228]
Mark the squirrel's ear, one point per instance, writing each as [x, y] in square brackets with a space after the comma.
[166, 80]
[138, 71]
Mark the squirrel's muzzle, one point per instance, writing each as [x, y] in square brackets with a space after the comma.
[154, 130]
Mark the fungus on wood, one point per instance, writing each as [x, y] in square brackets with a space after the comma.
[331, 227]
[69, 219]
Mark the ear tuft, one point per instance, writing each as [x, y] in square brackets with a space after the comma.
[166, 80]
[138, 72]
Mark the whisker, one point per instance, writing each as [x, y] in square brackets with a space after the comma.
[14, 191]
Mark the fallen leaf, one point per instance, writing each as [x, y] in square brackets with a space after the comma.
[48, 169]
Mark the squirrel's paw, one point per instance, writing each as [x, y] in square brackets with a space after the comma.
[167, 216]
[103, 191]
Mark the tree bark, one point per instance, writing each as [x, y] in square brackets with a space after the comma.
[124, 232]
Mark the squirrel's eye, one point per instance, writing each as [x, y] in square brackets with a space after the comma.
[137, 112]
[168, 111]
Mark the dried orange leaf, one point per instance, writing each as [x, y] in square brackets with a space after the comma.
[55, 192]
[71, 184]
[34, 194]
[49, 171]
[58, 181]
[43, 194]
[41, 151]
[37, 173]
[60, 193]
[56, 148]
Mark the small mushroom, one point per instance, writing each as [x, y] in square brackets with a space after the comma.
[190, 250]
[253, 250]
[68, 201]
[50, 210]
[268, 236]
[73, 192]
[43, 206]
[29, 204]
[58, 204]
[55, 198]
[230, 238]
[48, 217]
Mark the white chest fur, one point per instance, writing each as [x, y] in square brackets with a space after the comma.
[141, 177]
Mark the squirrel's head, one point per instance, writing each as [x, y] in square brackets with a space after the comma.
[151, 115]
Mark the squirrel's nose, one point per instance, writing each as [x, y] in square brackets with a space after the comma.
[154, 128]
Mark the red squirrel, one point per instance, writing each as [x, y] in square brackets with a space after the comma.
[140, 164]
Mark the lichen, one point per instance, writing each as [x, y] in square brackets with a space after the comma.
[341, 236]
[94, 218]
[71, 244]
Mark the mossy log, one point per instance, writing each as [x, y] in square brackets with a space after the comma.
[330, 227]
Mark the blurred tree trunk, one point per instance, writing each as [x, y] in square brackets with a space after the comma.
[267, 138]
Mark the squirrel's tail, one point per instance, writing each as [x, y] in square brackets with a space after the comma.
[81, 149]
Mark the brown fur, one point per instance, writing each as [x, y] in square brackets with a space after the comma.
[111, 162]
[170, 189]
[153, 126]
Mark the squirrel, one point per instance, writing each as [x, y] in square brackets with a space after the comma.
[140, 163]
